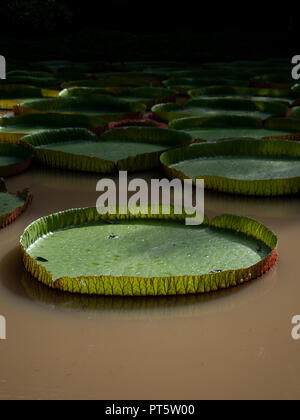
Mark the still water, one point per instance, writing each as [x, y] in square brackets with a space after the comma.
[233, 344]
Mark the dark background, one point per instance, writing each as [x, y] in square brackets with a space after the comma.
[124, 30]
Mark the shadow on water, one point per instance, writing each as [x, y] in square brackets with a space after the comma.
[20, 283]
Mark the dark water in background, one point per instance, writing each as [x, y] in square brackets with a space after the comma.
[234, 344]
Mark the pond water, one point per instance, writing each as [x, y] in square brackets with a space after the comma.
[233, 344]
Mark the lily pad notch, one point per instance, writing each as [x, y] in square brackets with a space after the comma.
[107, 154]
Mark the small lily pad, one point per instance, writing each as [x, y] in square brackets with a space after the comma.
[12, 205]
[14, 159]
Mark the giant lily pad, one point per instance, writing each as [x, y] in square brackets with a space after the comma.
[184, 84]
[115, 83]
[132, 148]
[226, 127]
[14, 159]
[80, 251]
[13, 128]
[12, 95]
[105, 109]
[210, 107]
[40, 82]
[12, 205]
[285, 96]
[27, 73]
[249, 167]
[85, 91]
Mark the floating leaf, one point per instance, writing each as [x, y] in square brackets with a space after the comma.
[131, 149]
[247, 167]
[12, 205]
[226, 127]
[14, 159]
[124, 269]
[210, 107]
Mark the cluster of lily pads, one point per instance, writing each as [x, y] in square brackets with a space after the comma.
[235, 125]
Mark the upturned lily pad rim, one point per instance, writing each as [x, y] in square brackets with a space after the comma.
[239, 90]
[141, 286]
[238, 147]
[244, 104]
[113, 83]
[51, 119]
[57, 105]
[13, 128]
[85, 91]
[290, 125]
[18, 151]
[136, 123]
[171, 111]
[19, 92]
[218, 121]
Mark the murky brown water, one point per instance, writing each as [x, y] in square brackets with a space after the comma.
[234, 344]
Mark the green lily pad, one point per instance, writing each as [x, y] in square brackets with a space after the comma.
[12, 95]
[85, 91]
[248, 167]
[128, 257]
[107, 82]
[104, 109]
[13, 128]
[40, 82]
[184, 84]
[211, 107]
[14, 159]
[132, 148]
[255, 94]
[226, 127]
[12, 205]
[9, 202]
